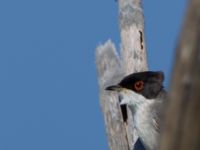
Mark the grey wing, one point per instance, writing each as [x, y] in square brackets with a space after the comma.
[156, 124]
[157, 110]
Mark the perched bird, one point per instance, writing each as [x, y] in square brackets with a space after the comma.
[144, 94]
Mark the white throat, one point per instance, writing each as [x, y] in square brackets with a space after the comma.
[131, 98]
[140, 107]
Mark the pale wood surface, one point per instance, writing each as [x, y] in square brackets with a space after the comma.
[112, 68]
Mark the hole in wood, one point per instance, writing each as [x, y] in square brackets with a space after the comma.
[124, 113]
[141, 40]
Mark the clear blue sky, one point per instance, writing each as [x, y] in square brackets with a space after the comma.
[48, 84]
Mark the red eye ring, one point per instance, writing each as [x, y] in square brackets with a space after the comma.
[139, 85]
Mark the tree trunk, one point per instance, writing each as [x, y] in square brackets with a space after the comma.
[111, 69]
[182, 123]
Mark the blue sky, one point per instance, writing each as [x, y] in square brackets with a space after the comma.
[48, 84]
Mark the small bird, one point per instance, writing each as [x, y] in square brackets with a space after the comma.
[144, 94]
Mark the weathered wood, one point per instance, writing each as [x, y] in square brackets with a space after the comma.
[182, 123]
[111, 69]
[133, 49]
[110, 72]
[132, 36]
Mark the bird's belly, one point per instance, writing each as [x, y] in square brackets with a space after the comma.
[145, 130]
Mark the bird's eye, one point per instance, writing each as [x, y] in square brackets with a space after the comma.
[139, 85]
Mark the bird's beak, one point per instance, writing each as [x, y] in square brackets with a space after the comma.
[114, 88]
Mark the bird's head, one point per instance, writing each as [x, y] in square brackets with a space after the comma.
[139, 87]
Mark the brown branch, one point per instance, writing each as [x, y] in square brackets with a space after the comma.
[182, 123]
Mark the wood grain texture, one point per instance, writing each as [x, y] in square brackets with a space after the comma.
[112, 68]
[133, 49]
[109, 73]
[182, 123]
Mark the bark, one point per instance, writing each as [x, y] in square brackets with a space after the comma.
[182, 123]
[112, 68]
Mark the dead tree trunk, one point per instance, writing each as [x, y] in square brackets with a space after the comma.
[182, 124]
[112, 68]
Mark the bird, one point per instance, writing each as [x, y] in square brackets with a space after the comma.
[144, 93]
